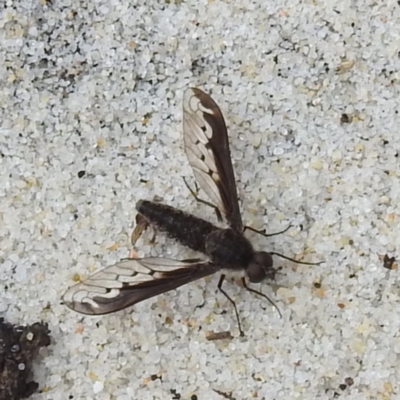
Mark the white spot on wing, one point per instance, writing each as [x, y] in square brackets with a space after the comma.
[107, 283]
[200, 157]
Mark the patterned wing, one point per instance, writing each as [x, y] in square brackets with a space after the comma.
[207, 149]
[131, 281]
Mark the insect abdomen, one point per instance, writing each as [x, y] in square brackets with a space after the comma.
[185, 228]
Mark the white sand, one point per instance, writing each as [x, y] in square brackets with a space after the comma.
[97, 87]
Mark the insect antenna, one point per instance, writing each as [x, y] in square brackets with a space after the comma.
[262, 231]
[221, 280]
[295, 261]
[262, 295]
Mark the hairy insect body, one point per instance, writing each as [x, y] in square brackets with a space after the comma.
[229, 248]
[185, 228]
[225, 247]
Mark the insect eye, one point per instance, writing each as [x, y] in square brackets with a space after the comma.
[264, 259]
[255, 272]
[261, 267]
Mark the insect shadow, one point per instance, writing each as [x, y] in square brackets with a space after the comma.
[227, 249]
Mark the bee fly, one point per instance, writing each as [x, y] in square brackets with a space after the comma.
[133, 280]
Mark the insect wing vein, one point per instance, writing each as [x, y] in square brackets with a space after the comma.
[207, 149]
[131, 281]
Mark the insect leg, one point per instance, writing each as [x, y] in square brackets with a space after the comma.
[156, 199]
[221, 280]
[141, 225]
[262, 231]
[261, 294]
[153, 238]
[194, 194]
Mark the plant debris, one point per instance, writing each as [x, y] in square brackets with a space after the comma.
[19, 345]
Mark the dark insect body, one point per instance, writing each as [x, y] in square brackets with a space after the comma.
[225, 247]
[186, 228]
[133, 280]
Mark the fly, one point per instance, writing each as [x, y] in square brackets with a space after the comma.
[133, 280]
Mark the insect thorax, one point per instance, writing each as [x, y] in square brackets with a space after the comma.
[229, 248]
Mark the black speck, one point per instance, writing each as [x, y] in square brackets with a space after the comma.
[81, 174]
[317, 285]
[194, 397]
[342, 386]
[345, 119]
[388, 262]
[175, 395]
[349, 381]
